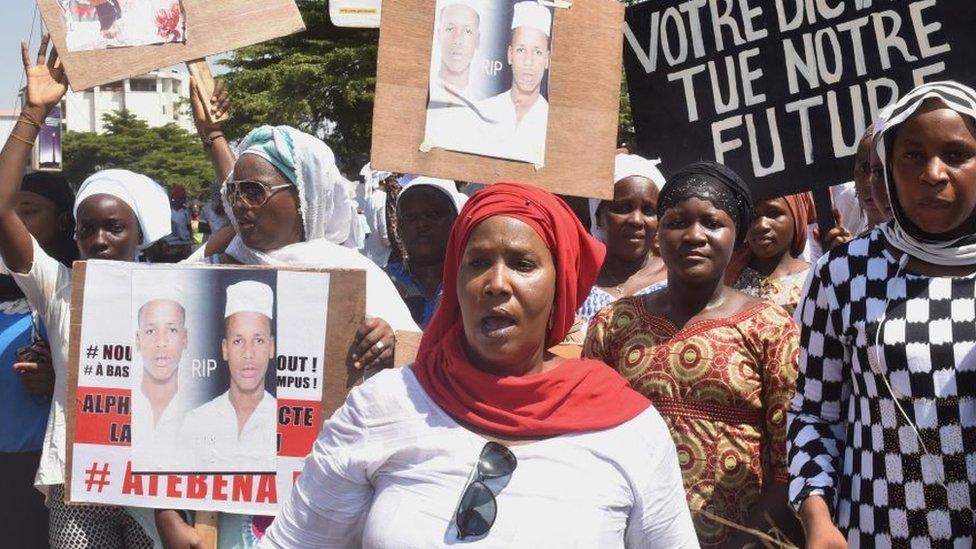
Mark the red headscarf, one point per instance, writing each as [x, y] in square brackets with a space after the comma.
[576, 396]
[802, 211]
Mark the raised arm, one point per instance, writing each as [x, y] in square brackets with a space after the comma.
[817, 426]
[212, 135]
[46, 85]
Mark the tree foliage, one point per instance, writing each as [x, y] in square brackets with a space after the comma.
[168, 154]
[320, 81]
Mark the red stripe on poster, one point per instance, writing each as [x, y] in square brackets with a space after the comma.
[103, 416]
[299, 422]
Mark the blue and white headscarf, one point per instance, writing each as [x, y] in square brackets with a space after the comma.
[309, 164]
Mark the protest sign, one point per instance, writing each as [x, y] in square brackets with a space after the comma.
[47, 149]
[103, 24]
[581, 85]
[201, 387]
[355, 13]
[781, 91]
[487, 58]
[207, 27]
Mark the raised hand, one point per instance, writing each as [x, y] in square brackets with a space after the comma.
[219, 106]
[46, 81]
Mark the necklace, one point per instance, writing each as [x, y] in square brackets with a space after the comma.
[617, 285]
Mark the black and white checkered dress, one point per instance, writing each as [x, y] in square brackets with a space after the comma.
[847, 439]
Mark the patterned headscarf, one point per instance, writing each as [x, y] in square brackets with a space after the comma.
[310, 165]
[715, 183]
[902, 233]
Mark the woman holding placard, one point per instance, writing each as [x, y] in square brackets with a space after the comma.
[719, 364]
[118, 213]
[488, 436]
[883, 426]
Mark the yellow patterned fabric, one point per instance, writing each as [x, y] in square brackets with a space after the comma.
[785, 291]
[722, 385]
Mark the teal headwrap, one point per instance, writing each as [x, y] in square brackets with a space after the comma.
[274, 144]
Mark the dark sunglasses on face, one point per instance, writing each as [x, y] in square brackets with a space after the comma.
[476, 512]
[253, 193]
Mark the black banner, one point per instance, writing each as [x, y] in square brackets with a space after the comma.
[782, 90]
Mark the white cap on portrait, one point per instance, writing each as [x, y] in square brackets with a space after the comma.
[249, 296]
[533, 15]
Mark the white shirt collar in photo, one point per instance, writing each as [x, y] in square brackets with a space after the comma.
[210, 433]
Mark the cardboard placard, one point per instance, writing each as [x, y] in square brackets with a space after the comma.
[783, 91]
[211, 27]
[584, 100]
[407, 345]
[107, 461]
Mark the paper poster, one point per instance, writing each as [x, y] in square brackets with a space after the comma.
[197, 387]
[102, 24]
[489, 79]
[355, 13]
[47, 149]
[783, 91]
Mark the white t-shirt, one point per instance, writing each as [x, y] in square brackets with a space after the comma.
[378, 242]
[154, 445]
[47, 286]
[211, 436]
[509, 137]
[389, 467]
[457, 128]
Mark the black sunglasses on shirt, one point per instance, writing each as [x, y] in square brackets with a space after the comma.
[477, 510]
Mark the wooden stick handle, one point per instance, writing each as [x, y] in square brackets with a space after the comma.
[200, 71]
[205, 524]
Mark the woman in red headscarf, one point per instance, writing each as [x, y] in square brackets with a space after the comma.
[488, 436]
[769, 265]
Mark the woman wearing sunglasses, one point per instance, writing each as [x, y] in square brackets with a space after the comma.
[489, 438]
[288, 205]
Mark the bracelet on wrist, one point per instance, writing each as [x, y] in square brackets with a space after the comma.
[27, 118]
[208, 140]
[21, 139]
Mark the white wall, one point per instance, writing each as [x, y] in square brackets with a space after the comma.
[168, 104]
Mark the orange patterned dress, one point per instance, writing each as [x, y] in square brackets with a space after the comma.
[723, 387]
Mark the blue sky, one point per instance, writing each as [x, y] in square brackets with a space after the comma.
[15, 25]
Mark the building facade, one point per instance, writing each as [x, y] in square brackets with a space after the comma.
[160, 97]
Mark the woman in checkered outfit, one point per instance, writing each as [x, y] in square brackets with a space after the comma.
[883, 425]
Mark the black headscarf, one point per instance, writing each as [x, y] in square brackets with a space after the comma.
[715, 183]
[55, 188]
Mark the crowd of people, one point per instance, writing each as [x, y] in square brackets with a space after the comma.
[684, 366]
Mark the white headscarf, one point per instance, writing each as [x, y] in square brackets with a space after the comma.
[958, 251]
[372, 178]
[445, 186]
[325, 205]
[148, 200]
[624, 166]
